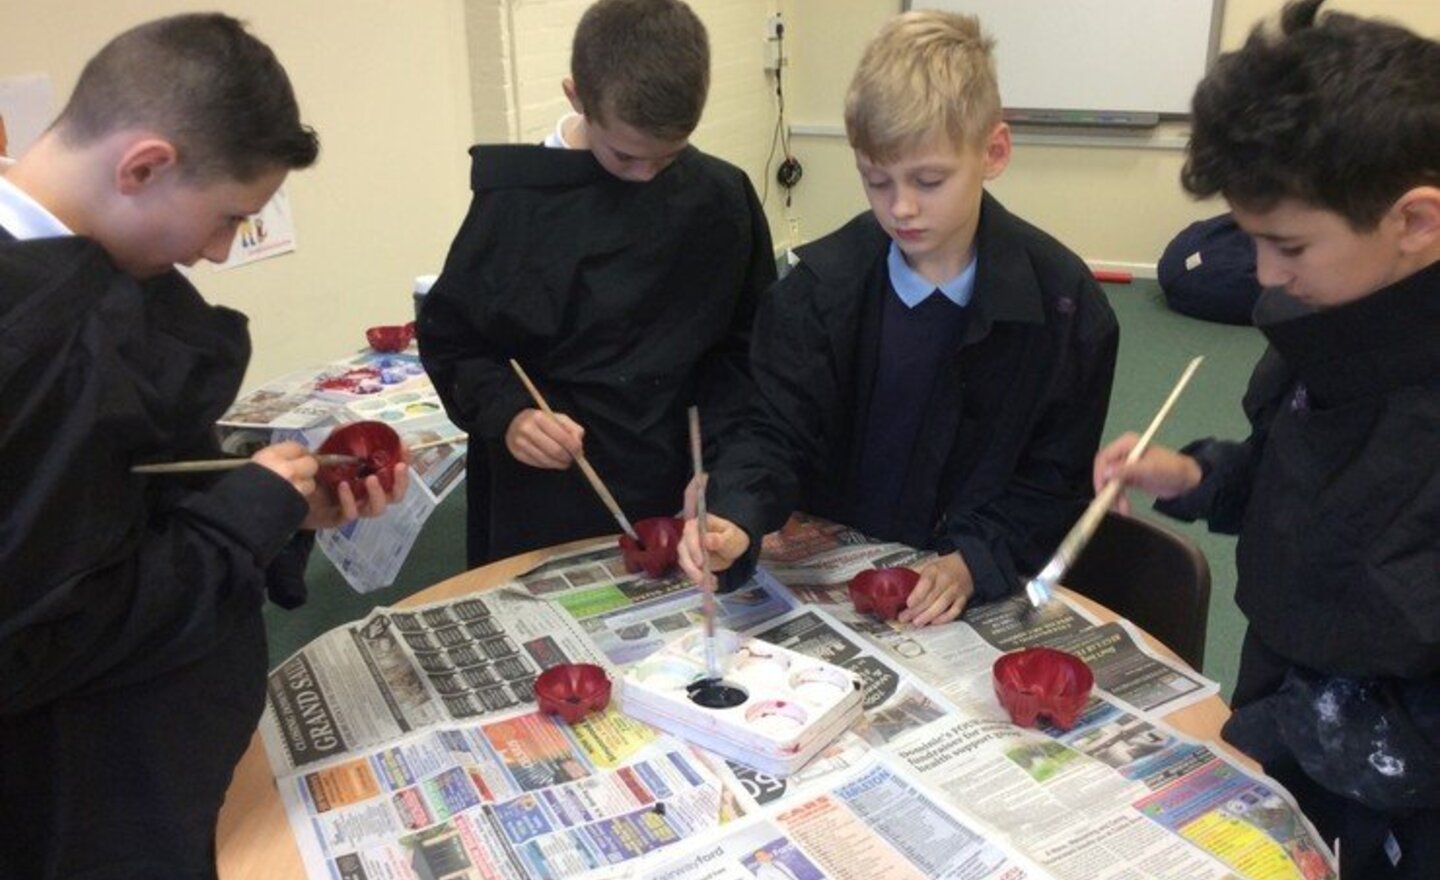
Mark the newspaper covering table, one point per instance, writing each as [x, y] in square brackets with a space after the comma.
[369, 386]
[407, 745]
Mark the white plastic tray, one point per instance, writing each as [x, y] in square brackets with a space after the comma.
[795, 704]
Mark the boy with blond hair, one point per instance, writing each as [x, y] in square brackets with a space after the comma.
[1334, 170]
[621, 267]
[935, 372]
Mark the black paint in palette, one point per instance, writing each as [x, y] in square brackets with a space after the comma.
[713, 693]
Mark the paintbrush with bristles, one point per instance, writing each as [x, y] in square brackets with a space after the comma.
[1041, 588]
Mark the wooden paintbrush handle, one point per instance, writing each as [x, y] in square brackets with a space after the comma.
[595, 482]
[223, 464]
[1040, 587]
[443, 441]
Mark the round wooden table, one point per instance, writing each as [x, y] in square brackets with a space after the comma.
[254, 841]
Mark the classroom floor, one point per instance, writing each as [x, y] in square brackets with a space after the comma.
[1155, 345]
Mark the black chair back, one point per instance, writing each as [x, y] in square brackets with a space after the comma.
[1157, 578]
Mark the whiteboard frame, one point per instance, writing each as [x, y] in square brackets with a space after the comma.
[1048, 117]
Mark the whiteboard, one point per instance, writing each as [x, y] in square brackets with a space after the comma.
[1096, 61]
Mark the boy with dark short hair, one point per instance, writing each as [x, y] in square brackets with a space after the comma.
[1325, 140]
[621, 267]
[132, 648]
[935, 372]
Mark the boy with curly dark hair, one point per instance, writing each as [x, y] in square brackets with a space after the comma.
[1325, 140]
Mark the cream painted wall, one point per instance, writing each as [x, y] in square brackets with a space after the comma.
[398, 92]
[1113, 205]
[385, 85]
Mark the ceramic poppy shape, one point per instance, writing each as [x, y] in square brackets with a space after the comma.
[378, 449]
[1043, 681]
[883, 591]
[661, 537]
[572, 690]
[390, 337]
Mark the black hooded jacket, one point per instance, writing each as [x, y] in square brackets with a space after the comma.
[1002, 464]
[625, 302]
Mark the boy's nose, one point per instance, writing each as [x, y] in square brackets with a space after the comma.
[1268, 269]
[644, 170]
[904, 204]
[218, 248]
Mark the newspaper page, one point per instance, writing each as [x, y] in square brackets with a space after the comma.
[873, 823]
[630, 616]
[519, 796]
[1117, 796]
[288, 402]
[816, 559]
[370, 386]
[809, 552]
[397, 671]
[407, 745]
[1123, 666]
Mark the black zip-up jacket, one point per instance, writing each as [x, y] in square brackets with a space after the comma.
[1336, 498]
[1336, 493]
[1003, 460]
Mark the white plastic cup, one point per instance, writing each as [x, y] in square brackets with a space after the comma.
[423, 283]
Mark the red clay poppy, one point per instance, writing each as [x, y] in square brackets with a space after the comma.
[378, 449]
[883, 591]
[390, 337]
[572, 690]
[1042, 681]
[661, 551]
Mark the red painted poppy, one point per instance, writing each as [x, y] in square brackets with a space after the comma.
[572, 690]
[391, 337]
[377, 448]
[883, 591]
[660, 536]
[1042, 681]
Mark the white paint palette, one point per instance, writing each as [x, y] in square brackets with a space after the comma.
[794, 705]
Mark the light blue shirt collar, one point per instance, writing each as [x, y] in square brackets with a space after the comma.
[22, 216]
[913, 289]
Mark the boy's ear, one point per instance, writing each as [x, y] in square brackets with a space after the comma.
[568, 86]
[1419, 212]
[997, 150]
[141, 162]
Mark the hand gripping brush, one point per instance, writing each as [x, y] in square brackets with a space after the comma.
[1041, 588]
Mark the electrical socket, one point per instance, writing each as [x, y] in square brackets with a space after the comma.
[774, 35]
